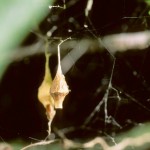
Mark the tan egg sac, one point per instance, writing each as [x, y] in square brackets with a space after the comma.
[59, 89]
[46, 99]
[50, 112]
[43, 94]
[43, 91]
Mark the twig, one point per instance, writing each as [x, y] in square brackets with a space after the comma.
[114, 43]
[42, 143]
[67, 144]
[127, 41]
[134, 141]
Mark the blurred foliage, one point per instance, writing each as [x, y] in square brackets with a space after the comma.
[135, 133]
[17, 144]
[18, 18]
[147, 1]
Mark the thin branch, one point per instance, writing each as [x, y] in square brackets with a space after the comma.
[127, 41]
[67, 144]
[114, 43]
[42, 143]
[134, 141]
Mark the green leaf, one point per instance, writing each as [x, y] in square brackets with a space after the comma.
[17, 18]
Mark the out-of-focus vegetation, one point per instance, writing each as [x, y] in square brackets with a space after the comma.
[17, 19]
[137, 138]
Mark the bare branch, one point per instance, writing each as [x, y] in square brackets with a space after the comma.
[114, 43]
[134, 141]
[127, 41]
[67, 144]
[39, 144]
